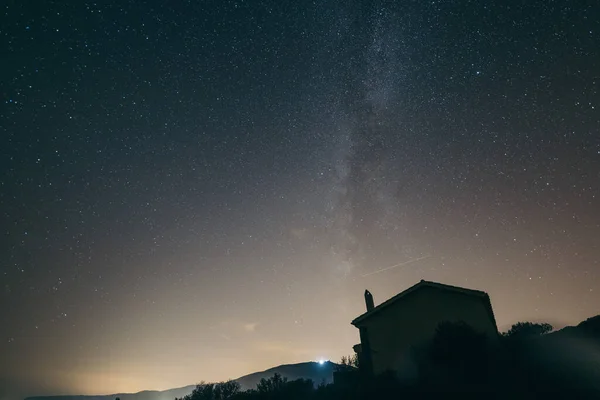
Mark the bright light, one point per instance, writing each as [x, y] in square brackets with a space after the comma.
[321, 361]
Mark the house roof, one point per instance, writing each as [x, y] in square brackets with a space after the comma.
[476, 293]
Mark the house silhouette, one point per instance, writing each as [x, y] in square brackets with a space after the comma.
[392, 333]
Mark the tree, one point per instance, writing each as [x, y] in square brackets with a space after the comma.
[350, 361]
[214, 391]
[226, 390]
[298, 389]
[522, 330]
[457, 341]
[459, 354]
[202, 391]
[271, 385]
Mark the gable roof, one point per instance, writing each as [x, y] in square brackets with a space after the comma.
[470, 292]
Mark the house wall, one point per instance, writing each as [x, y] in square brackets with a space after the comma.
[412, 320]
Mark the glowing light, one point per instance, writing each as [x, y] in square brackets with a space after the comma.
[321, 361]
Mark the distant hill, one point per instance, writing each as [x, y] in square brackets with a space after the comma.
[308, 370]
[169, 394]
[588, 329]
[570, 355]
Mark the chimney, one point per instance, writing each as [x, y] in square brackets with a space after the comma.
[369, 300]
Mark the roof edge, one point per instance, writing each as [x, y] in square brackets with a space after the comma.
[422, 283]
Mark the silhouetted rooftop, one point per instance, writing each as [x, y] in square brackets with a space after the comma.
[423, 283]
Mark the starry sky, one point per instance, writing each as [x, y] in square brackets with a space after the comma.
[197, 190]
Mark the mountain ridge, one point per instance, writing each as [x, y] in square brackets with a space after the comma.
[316, 371]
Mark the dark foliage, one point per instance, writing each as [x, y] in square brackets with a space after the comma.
[458, 362]
[458, 355]
[214, 391]
[523, 330]
[458, 343]
[274, 384]
[278, 387]
[591, 326]
[350, 361]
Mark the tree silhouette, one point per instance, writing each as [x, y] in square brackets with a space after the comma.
[522, 330]
[214, 391]
[226, 390]
[457, 341]
[350, 361]
[458, 355]
[272, 384]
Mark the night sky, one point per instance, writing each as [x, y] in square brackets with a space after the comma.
[195, 190]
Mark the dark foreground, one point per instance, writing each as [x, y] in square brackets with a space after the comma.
[526, 363]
